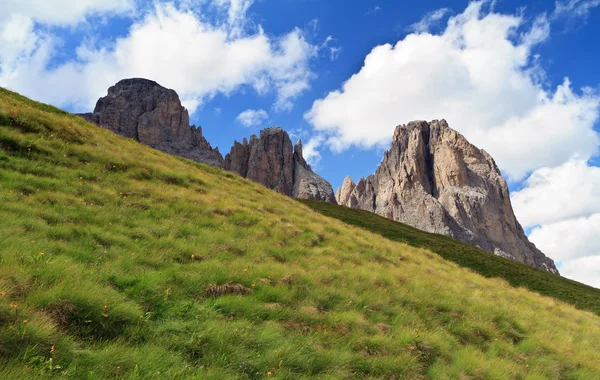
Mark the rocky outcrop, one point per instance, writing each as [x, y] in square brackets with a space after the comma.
[143, 110]
[433, 179]
[272, 161]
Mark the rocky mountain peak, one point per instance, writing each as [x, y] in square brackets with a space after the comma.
[271, 160]
[143, 110]
[433, 179]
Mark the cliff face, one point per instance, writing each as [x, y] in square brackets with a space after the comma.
[153, 115]
[272, 161]
[433, 179]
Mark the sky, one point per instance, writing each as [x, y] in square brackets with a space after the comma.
[519, 79]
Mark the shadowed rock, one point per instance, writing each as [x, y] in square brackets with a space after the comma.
[143, 110]
[272, 161]
[433, 179]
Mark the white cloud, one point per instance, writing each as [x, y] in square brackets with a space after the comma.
[551, 195]
[373, 11]
[178, 49]
[563, 204]
[585, 270]
[19, 38]
[575, 8]
[252, 118]
[334, 53]
[311, 153]
[481, 76]
[569, 239]
[430, 18]
[63, 12]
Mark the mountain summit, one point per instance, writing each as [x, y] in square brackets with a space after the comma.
[433, 179]
[143, 110]
[272, 161]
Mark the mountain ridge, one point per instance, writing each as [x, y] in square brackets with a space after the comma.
[151, 114]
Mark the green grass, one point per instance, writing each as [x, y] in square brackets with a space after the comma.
[517, 274]
[119, 261]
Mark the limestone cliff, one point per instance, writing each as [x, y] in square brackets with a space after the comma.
[272, 161]
[153, 115]
[433, 179]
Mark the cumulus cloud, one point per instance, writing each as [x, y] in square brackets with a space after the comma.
[563, 204]
[175, 47]
[585, 270]
[569, 239]
[311, 153]
[63, 12]
[19, 38]
[479, 74]
[551, 195]
[575, 245]
[252, 118]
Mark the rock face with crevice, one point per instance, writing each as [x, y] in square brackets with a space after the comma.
[433, 179]
[272, 161]
[143, 110]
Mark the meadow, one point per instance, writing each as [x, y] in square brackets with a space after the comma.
[119, 261]
[519, 275]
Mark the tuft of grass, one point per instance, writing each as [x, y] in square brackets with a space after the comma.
[119, 261]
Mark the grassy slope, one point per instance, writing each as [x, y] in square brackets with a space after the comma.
[582, 296]
[107, 249]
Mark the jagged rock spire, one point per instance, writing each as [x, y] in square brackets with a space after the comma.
[272, 161]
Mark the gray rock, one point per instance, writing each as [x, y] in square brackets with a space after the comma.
[433, 179]
[143, 110]
[272, 161]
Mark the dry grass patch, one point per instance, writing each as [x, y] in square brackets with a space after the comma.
[226, 289]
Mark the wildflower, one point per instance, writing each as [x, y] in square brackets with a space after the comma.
[53, 348]
[2, 293]
[245, 269]
[41, 253]
[25, 321]
[269, 373]
[253, 285]
[13, 305]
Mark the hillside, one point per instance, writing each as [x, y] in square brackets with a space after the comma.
[119, 261]
[517, 274]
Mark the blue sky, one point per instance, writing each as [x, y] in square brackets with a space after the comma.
[518, 79]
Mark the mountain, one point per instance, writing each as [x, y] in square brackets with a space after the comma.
[145, 111]
[272, 161]
[120, 261]
[433, 179]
